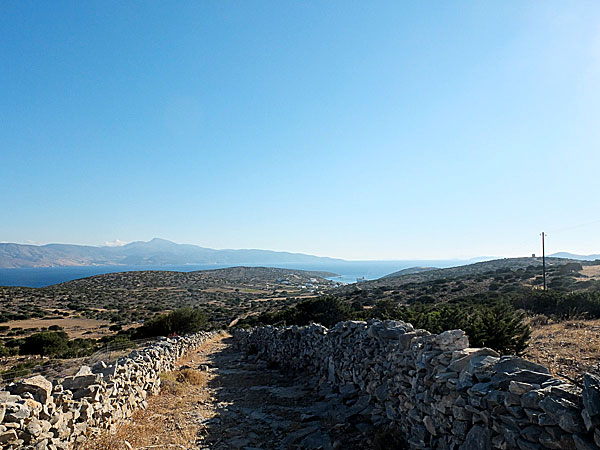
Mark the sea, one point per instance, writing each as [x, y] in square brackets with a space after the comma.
[346, 271]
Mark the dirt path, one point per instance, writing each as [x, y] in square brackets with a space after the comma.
[238, 402]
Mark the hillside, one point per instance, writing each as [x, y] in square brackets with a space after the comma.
[474, 269]
[410, 271]
[501, 275]
[128, 297]
[154, 252]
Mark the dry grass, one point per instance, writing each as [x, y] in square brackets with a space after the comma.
[568, 348]
[166, 423]
[179, 382]
[76, 327]
[590, 272]
[162, 426]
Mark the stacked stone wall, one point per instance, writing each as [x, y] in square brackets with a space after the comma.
[434, 389]
[42, 415]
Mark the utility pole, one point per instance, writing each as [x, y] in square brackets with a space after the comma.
[544, 259]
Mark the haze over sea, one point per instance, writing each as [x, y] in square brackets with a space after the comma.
[348, 271]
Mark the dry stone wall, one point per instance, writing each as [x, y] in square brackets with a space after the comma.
[42, 415]
[437, 391]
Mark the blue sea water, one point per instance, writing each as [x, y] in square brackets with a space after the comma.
[348, 271]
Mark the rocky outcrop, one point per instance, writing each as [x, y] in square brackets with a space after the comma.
[38, 414]
[439, 392]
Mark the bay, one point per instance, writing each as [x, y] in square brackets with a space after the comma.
[347, 271]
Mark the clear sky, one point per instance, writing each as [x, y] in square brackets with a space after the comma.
[361, 130]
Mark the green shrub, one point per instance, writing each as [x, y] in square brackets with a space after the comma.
[497, 326]
[78, 348]
[56, 344]
[4, 351]
[493, 324]
[181, 321]
[46, 343]
[327, 311]
[559, 305]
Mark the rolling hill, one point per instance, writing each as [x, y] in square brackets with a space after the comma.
[501, 276]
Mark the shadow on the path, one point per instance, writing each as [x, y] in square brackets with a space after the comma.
[262, 407]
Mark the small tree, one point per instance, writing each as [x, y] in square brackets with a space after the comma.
[181, 321]
[46, 343]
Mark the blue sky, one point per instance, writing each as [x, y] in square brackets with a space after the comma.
[362, 130]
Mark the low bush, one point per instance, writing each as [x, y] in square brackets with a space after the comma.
[539, 320]
[493, 324]
[327, 311]
[56, 344]
[177, 382]
[181, 321]
[559, 305]
[170, 385]
[4, 351]
[46, 343]
[190, 376]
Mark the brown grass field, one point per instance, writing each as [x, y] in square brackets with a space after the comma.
[590, 272]
[76, 327]
[568, 348]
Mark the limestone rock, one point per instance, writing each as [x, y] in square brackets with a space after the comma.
[37, 385]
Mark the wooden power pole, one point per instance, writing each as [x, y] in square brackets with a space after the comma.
[544, 259]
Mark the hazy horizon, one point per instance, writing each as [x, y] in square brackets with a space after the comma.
[476, 258]
[389, 131]
[120, 244]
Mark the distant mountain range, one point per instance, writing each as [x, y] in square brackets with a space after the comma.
[154, 252]
[160, 252]
[574, 256]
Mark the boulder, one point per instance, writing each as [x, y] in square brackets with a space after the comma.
[37, 385]
[16, 412]
[566, 414]
[8, 436]
[80, 381]
[467, 354]
[508, 364]
[582, 443]
[452, 340]
[591, 394]
[478, 438]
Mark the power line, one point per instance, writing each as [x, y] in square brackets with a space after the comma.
[572, 227]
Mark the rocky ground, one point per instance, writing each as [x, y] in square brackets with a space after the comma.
[568, 349]
[242, 403]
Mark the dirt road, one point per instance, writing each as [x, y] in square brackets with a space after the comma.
[239, 402]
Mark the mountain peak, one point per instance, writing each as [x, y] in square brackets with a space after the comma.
[155, 242]
[160, 241]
